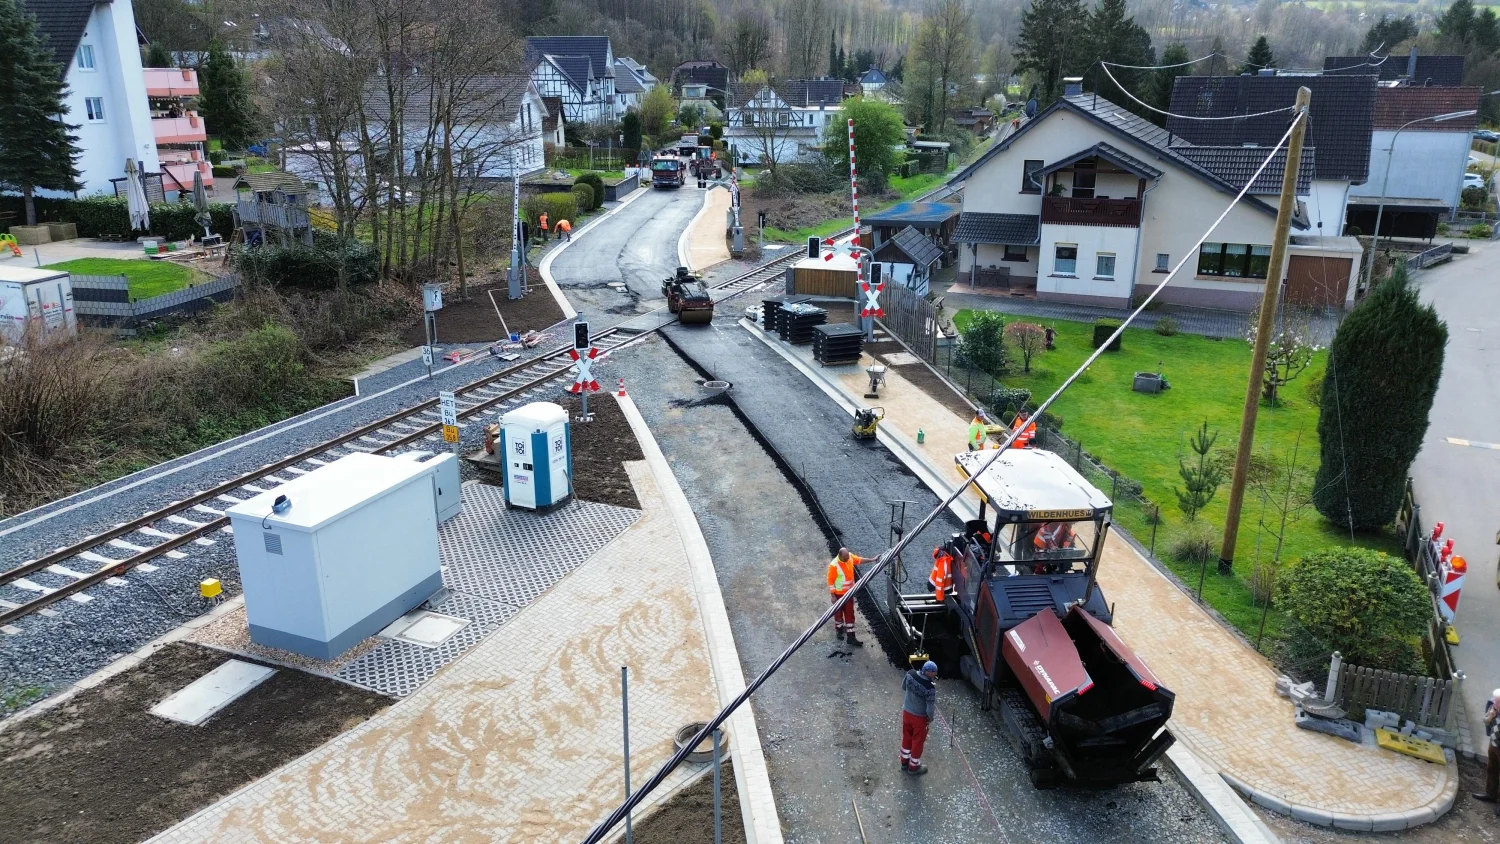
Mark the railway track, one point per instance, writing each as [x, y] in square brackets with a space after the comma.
[165, 532]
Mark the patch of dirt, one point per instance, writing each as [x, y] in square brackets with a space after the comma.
[689, 816]
[600, 448]
[1468, 822]
[474, 320]
[101, 768]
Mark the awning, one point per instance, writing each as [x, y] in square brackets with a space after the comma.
[1009, 229]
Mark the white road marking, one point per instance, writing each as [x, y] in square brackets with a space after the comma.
[1471, 443]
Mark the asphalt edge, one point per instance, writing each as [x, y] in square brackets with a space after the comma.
[752, 780]
[544, 269]
[1236, 819]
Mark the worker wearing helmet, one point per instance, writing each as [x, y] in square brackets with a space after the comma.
[917, 712]
[977, 432]
[841, 579]
[941, 579]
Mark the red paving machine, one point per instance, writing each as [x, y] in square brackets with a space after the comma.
[1026, 623]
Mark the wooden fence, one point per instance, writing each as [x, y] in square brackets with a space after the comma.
[1423, 557]
[1426, 700]
[911, 317]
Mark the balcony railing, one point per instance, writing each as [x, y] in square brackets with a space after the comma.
[1070, 210]
[179, 130]
[171, 82]
[179, 175]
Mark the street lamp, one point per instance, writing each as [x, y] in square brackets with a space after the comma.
[1390, 154]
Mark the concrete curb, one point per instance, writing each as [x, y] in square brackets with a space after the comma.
[545, 267]
[752, 780]
[1233, 816]
[126, 662]
[1379, 822]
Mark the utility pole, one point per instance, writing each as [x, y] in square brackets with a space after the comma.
[1284, 211]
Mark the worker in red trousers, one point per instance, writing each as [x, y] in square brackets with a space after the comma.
[917, 712]
[841, 579]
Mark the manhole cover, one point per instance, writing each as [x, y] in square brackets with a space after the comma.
[428, 629]
[716, 386]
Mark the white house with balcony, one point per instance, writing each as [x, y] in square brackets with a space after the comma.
[782, 121]
[1090, 204]
[95, 44]
[181, 135]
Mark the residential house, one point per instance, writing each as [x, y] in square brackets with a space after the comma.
[181, 136]
[95, 44]
[632, 82]
[554, 123]
[873, 80]
[1088, 203]
[782, 121]
[1412, 69]
[1418, 174]
[977, 120]
[579, 70]
[704, 84]
[497, 131]
[1245, 112]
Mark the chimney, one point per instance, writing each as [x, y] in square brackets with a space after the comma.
[1072, 86]
[1411, 63]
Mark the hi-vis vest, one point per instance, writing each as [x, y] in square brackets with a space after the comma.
[1023, 440]
[942, 573]
[976, 434]
[841, 578]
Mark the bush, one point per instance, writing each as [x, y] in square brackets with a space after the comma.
[223, 172]
[596, 183]
[1166, 327]
[583, 195]
[315, 268]
[1102, 329]
[1197, 543]
[1384, 365]
[216, 156]
[108, 216]
[558, 206]
[980, 343]
[1367, 605]
[1481, 231]
[1443, 228]
[256, 370]
[1009, 398]
[1474, 199]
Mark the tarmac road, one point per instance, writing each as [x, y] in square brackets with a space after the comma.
[637, 246]
[829, 720]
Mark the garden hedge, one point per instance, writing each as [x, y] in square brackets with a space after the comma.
[108, 216]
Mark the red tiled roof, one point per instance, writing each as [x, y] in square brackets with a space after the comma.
[1395, 107]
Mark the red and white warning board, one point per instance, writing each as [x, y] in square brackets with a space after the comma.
[585, 362]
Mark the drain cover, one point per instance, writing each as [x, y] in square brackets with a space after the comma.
[716, 386]
[428, 629]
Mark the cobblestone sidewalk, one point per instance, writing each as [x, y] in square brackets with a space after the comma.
[519, 740]
[1226, 710]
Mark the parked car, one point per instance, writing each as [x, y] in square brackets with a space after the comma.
[1473, 162]
[1473, 180]
[1487, 135]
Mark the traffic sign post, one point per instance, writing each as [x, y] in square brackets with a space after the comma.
[427, 359]
[448, 410]
[432, 302]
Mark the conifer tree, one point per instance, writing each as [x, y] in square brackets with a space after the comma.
[227, 106]
[36, 147]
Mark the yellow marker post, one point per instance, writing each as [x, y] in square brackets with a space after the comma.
[210, 588]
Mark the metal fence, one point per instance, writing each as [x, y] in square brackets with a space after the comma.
[104, 301]
[1436, 255]
[1425, 560]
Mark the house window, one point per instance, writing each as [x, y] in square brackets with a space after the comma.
[1014, 253]
[1163, 262]
[1104, 265]
[1031, 176]
[85, 57]
[94, 106]
[1065, 260]
[1083, 180]
[1234, 260]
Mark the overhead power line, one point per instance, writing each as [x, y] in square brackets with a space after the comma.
[1145, 104]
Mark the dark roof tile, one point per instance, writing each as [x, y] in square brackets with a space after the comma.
[1013, 229]
[1396, 107]
[1236, 165]
[596, 47]
[1438, 71]
[709, 73]
[1342, 111]
[923, 252]
[63, 23]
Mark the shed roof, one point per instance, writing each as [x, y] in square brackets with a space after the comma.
[1011, 229]
[267, 182]
[916, 246]
[1396, 107]
[921, 215]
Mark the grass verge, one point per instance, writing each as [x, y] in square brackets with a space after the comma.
[147, 278]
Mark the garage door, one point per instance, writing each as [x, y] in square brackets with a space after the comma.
[1317, 281]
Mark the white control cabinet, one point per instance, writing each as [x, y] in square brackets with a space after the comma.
[536, 444]
[357, 549]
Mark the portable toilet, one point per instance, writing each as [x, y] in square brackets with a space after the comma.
[537, 445]
[334, 556]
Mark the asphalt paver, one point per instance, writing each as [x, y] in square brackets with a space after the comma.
[830, 718]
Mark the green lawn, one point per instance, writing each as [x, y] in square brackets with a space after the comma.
[147, 278]
[907, 186]
[1141, 435]
[609, 176]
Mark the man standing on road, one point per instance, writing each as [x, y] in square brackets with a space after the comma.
[917, 712]
[1491, 791]
[841, 579]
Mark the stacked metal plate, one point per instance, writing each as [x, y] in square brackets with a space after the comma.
[773, 305]
[837, 344]
[795, 322]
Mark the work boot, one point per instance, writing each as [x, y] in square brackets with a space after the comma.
[850, 638]
[840, 634]
[916, 770]
[1480, 795]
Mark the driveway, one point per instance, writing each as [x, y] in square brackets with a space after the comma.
[1459, 484]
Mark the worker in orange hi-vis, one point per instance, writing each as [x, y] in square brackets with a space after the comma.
[941, 579]
[1027, 428]
[841, 577]
[564, 229]
[542, 221]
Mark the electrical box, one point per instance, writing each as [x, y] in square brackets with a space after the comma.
[38, 299]
[356, 549]
[536, 444]
[446, 487]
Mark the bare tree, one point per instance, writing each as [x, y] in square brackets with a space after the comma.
[1028, 338]
[1290, 351]
[746, 41]
[951, 50]
[806, 26]
[768, 117]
